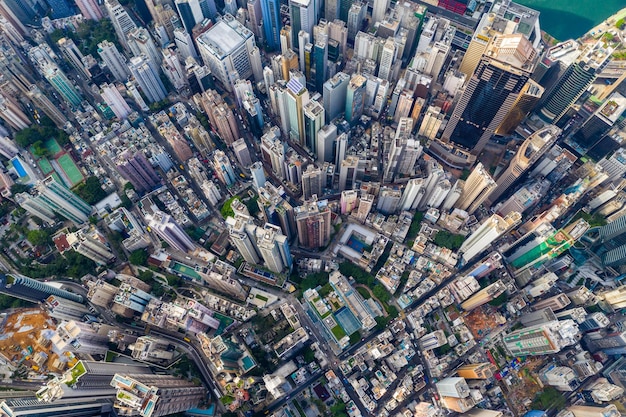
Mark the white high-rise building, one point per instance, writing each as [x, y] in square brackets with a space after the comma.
[122, 22]
[412, 194]
[542, 339]
[141, 43]
[184, 44]
[313, 180]
[112, 97]
[173, 69]
[433, 118]
[258, 175]
[379, 10]
[148, 79]
[326, 137]
[115, 62]
[227, 47]
[166, 227]
[491, 229]
[90, 243]
[387, 59]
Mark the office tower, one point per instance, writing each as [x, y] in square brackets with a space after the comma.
[355, 98]
[348, 169]
[313, 222]
[594, 321]
[542, 339]
[531, 150]
[89, 9]
[223, 168]
[258, 175]
[335, 93]
[115, 62]
[575, 81]
[29, 289]
[242, 233]
[331, 10]
[379, 10]
[477, 188]
[404, 105]
[140, 43]
[44, 103]
[50, 198]
[313, 122]
[137, 169]
[240, 149]
[491, 91]
[90, 243]
[274, 248]
[87, 407]
[191, 13]
[431, 122]
[12, 114]
[349, 201]
[296, 98]
[366, 201]
[255, 16]
[184, 44]
[321, 64]
[273, 150]
[271, 22]
[491, 229]
[303, 16]
[114, 100]
[62, 85]
[341, 143]
[412, 194]
[171, 232]
[387, 59]
[73, 55]
[592, 135]
[326, 137]
[313, 180]
[356, 14]
[87, 379]
[484, 296]
[305, 49]
[121, 20]
[155, 395]
[148, 79]
[225, 57]
[220, 116]
[285, 39]
[388, 200]
[476, 370]
[526, 101]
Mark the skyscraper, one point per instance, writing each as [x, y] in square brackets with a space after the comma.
[223, 168]
[296, 98]
[477, 188]
[491, 91]
[12, 114]
[190, 13]
[313, 223]
[531, 150]
[321, 64]
[184, 44]
[575, 81]
[274, 248]
[313, 122]
[122, 22]
[29, 289]
[115, 62]
[313, 180]
[166, 227]
[303, 14]
[137, 169]
[89, 9]
[90, 243]
[271, 22]
[141, 43]
[147, 78]
[155, 395]
[529, 97]
[326, 137]
[258, 175]
[112, 97]
[335, 92]
[491, 229]
[87, 407]
[62, 85]
[379, 10]
[355, 98]
[50, 198]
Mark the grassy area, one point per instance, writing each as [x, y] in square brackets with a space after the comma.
[593, 220]
[260, 297]
[77, 371]
[549, 398]
[338, 332]
[364, 293]
[110, 356]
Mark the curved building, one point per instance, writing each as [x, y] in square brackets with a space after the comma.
[32, 290]
[530, 151]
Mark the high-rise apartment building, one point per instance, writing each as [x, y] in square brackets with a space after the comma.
[115, 62]
[491, 92]
[141, 43]
[313, 221]
[326, 137]
[379, 10]
[50, 198]
[155, 395]
[122, 22]
[12, 114]
[147, 78]
[92, 244]
[223, 168]
[313, 180]
[184, 44]
[86, 407]
[89, 9]
[483, 370]
[137, 169]
[491, 229]
[542, 339]
[303, 16]
[477, 188]
[531, 150]
[335, 93]
[313, 123]
[29, 289]
[167, 229]
[62, 85]
[114, 100]
[484, 296]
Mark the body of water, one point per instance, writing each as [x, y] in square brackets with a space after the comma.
[570, 19]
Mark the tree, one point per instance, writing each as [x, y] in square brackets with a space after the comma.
[449, 240]
[91, 191]
[38, 237]
[139, 257]
[226, 209]
[19, 188]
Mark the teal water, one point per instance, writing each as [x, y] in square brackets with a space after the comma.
[570, 19]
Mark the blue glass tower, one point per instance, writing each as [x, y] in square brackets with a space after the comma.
[30, 289]
[271, 22]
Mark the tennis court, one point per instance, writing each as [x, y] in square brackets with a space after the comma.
[45, 166]
[347, 321]
[53, 146]
[70, 169]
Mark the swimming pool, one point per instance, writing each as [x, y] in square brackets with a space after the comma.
[21, 172]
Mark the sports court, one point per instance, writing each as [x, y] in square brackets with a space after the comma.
[347, 321]
[70, 169]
